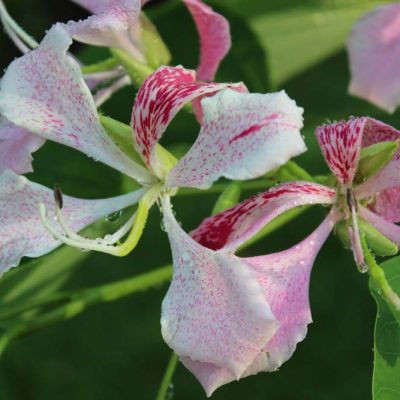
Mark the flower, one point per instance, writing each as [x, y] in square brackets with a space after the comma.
[228, 317]
[117, 24]
[374, 51]
[242, 136]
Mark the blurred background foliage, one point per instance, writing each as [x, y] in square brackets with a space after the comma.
[115, 350]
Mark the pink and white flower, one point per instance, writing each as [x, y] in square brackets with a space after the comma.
[374, 52]
[117, 23]
[228, 317]
[44, 91]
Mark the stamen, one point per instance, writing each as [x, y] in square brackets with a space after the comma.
[103, 95]
[21, 39]
[106, 245]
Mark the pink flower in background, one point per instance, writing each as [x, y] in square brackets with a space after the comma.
[229, 317]
[374, 52]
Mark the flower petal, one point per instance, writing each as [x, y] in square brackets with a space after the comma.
[385, 185]
[214, 310]
[215, 38]
[243, 136]
[16, 146]
[23, 233]
[229, 229]
[44, 91]
[341, 145]
[391, 231]
[374, 51]
[115, 23]
[284, 277]
[159, 99]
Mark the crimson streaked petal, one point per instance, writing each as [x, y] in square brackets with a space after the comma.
[22, 232]
[243, 136]
[215, 38]
[159, 99]
[340, 143]
[16, 147]
[229, 229]
[213, 295]
[374, 52]
[44, 91]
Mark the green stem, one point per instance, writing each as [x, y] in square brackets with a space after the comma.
[166, 381]
[86, 298]
[378, 275]
[259, 184]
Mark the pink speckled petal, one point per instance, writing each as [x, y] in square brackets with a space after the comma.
[374, 51]
[284, 277]
[16, 146]
[159, 99]
[214, 310]
[243, 136]
[115, 23]
[22, 231]
[340, 143]
[386, 178]
[391, 231]
[209, 375]
[215, 38]
[44, 91]
[229, 229]
[387, 202]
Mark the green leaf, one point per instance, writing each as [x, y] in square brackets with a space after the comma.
[122, 135]
[296, 36]
[228, 198]
[386, 377]
[101, 66]
[157, 52]
[375, 157]
[137, 70]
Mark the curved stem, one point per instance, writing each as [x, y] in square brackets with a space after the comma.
[9, 21]
[84, 299]
[378, 275]
[166, 381]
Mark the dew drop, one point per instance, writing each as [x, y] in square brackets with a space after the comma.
[363, 268]
[115, 216]
[170, 392]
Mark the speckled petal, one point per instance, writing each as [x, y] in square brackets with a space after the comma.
[215, 38]
[209, 375]
[284, 277]
[44, 91]
[22, 232]
[386, 202]
[115, 23]
[391, 231]
[374, 52]
[16, 146]
[159, 99]
[231, 228]
[243, 136]
[214, 310]
[340, 143]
